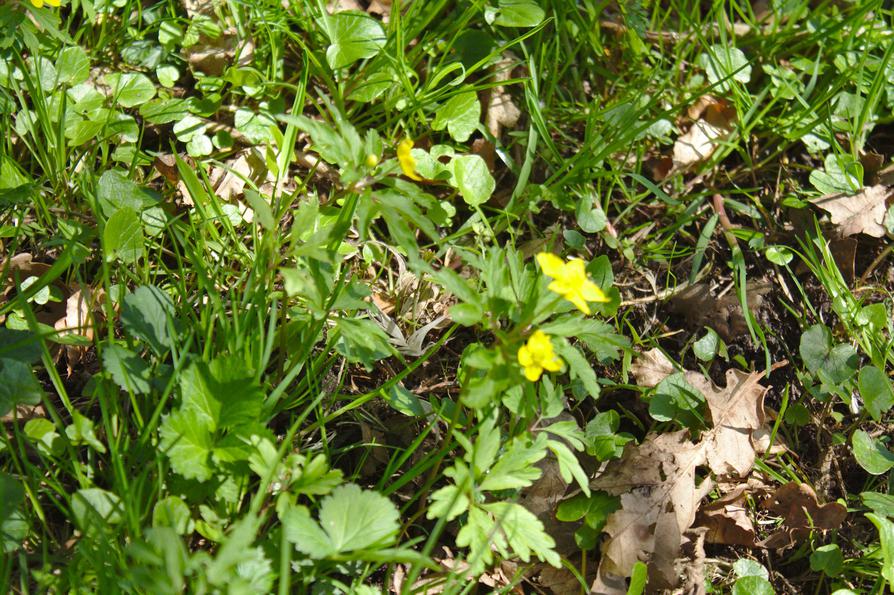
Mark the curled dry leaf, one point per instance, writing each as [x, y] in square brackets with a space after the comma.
[863, 212]
[797, 504]
[651, 367]
[501, 112]
[714, 121]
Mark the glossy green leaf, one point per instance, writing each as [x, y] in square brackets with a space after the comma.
[354, 36]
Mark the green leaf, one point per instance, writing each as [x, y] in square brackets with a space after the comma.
[115, 190]
[524, 532]
[875, 388]
[222, 393]
[406, 401]
[72, 66]
[472, 179]
[353, 36]
[871, 454]
[569, 467]
[123, 236]
[130, 89]
[752, 585]
[578, 367]
[779, 255]
[602, 441]
[18, 385]
[145, 315]
[676, 399]
[460, 115]
[639, 576]
[13, 525]
[448, 503]
[186, 439]
[881, 504]
[356, 519]
[827, 559]
[165, 110]
[94, 507]
[724, 62]
[840, 174]
[173, 512]
[361, 341]
[516, 13]
[516, 468]
[81, 431]
[707, 348]
[261, 209]
[837, 363]
[128, 370]
[746, 567]
[886, 539]
[594, 509]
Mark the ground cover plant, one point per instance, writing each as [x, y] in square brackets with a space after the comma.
[448, 296]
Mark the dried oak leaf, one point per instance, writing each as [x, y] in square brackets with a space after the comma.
[659, 500]
[656, 480]
[797, 504]
[651, 367]
[726, 519]
[863, 212]
[714, 120]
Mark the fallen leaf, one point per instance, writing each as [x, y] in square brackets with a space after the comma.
[797, 504]
[656, 480]
[651, 367]
[501, 112]
[863, 212]
[726, 519]
[714, 121]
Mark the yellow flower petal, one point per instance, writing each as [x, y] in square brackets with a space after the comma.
[37, 3]
[406, 160]
[579, 302]
[550, 264]
[53, 2]
[524, 356]
[533, 373]
[592, 293]
[553, 365]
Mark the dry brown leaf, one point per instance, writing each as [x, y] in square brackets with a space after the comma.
[737, 411]
[656, 480]
[501, 112]
[714, 120]
[863, 212]
[797, 504]
[651, 367]
[659, 500]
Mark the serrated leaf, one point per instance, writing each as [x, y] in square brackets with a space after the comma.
[516, 468]
[569, 466]
[524, 533]
[356, 519]
[222, 393]
[448, 503]
[187, 441]
[305, 533]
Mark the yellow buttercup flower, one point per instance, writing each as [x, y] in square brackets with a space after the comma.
[571, 281]
[405, 158]
[538, 355]
[39, 3]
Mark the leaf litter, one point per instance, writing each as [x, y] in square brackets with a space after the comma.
[662, 481]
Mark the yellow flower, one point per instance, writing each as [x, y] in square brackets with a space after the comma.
[571, 281]
[39, 3]
[407, 163]
[538, 355]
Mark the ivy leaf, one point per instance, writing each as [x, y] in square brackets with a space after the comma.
[836, 363]
[460, 115]
[353, 36]
[130, 89]
[676, 399]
